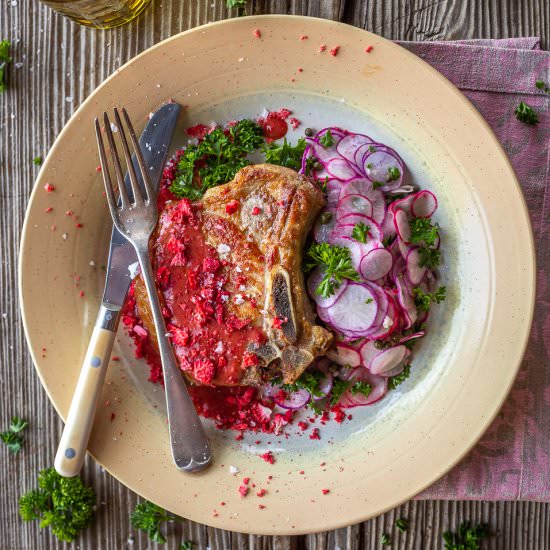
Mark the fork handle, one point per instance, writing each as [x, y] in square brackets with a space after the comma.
[74, 441]
[190, 447]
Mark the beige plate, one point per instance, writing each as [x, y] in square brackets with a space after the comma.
[462, 372]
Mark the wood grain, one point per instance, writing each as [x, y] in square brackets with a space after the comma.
[56, 65]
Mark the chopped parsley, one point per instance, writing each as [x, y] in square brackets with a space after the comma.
[149, 517]
[339, 386]
[326, 140]
[394, 381]
[239, 4]
[402, 524]
[309, 381]
[360, 232]
[12, 436]
[369, 301]
[393, 173]
[361, 387]
[4, 60]
[216, 159]
[526, 114]
[467, 537]
[336, 264]
[377, 184]
[310, 165]
[37, 160]
[285, 154]
[64, 504]
[187, 545]
[423, 300]
[385, 540]
[423, 231]
[429, 257]
[372, 149]
[541, 85]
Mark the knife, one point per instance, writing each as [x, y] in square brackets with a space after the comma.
[154, 143]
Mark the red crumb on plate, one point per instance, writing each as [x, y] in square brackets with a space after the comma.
[325, 491]
[369, 49]
[322, 48]
[334, 51]
[261, 493]
[78, 225]
[198, 131]
[294, 122]
[304, 37]
[243, 490]
[98, 168]
[256, 210]
[49, 188]
[268, 457]
[303, 426]
[314, 434]
[257, 33]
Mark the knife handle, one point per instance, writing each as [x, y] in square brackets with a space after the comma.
[74, 441]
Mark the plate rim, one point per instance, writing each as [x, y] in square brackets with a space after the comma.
[530, 298]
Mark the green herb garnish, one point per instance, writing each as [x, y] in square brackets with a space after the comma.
[402, 524]
[423, 300]
[372, 149]
[423, 232]
[216, 159]
[37, 160]
[4, 60]
[429, 257]
[394, 381]
[360, 232]
[541, 85]
[309, 381]
[526, 114]
[285, 154]
[385, 540]
[64, 504]
[361, 387]
[339, 386]
[239, 4]
[369, 301]
[377, 184]
[326, 140]
[187, 545]
[310, 165]
[393, 173]
[149, 517]
[336, 264]
[12, 436]
[467, 537]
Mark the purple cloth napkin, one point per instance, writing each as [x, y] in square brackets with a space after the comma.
[512, 459]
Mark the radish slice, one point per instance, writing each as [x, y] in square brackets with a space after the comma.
[364, 188]
[345, 231]
[324, 225]
[376, 264]
[406, 302]
[323, 314]
[389, 324]
[424, 204]
[379, 164]
[343, 354]
[388, 359]
[340, 168]
[355, 309]
[415, 271]
[354, 204]
[414, 336]
[402, 204]
[379, 389]
[368, 352]
[401, 222]
[394, 372]
[313, 282]
[325, 387]
[404, 249]
[348, 146]
[294, 400]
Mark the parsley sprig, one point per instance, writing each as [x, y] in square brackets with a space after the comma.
[327, 140]
[64, 504]
[285, 154]
[424, 300]
[395, 381]
[335, 261]
[12, 436]
[216, 159]
[424, 234]
[360, 232]
[149, 517]
[468, 537]
[4, 60]
[526, 114]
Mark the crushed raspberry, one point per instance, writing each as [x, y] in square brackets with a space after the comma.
[163, 276]
[49, 188]
[180, 336]
[98, 168]
[81, 294]
[256, 210]
[246, 480]
[314, 434]
[243, 490]
[302, 472]
[304, 37]
[181, 212]
[294, 122]
[233, 323]
[113, 416]
[369, 49]
[334, 51]
[257, 33]
[204, 370]
[250, 360]
[339, 414]
[48, 210]
[325, 491]
[211, 265]
[268, 457]
[232, 206]
[198, 131]
[322, 48]
[261, 506]
[78, 225]
[303, 426]
[278, 322]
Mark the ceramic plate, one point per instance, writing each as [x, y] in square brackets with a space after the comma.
[461, 373]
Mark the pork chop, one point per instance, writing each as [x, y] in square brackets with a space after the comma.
[230, 276]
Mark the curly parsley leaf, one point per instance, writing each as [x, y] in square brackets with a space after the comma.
[360, 232]
[37, 160]
[429, 257]
[395, 381]
[336, 264]
[385, 540]
[468, 537]
[12, 436]
[187, 545]
[362, 388]
[326, 140]
[402, 524]
[5, 59]
[216, 159]
[285, 154]
[423, 231]
[424, 300]
[393, 173]
[339, 386]
[541, 85]
[64, 504]
[239, 4]
[526, 114]
[149, 517]
[309, 381]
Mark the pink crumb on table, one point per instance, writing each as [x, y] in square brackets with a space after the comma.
[257, 33]
[304, 37]
[49, 188]
[334, 51]
[369, 49]
[48, 210]
[261, 506]
[243, 490]
[322, 48]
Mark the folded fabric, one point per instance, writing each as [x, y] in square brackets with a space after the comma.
[512, 459]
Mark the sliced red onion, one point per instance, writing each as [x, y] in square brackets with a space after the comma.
[415, 271]
[340, 169]
[388, 359]
[294, 400]
[345, 355]
[424, 204]
[394, 372]
[375, 264]
[379, 389]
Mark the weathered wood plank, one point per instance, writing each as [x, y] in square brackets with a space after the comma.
[61, 64]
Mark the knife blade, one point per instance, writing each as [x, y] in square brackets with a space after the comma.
[154, 143]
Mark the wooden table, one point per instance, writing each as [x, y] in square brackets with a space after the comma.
[56, 65]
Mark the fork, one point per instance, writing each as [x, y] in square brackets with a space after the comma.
[135, 217]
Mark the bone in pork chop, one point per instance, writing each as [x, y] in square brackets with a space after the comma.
[229, 274]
